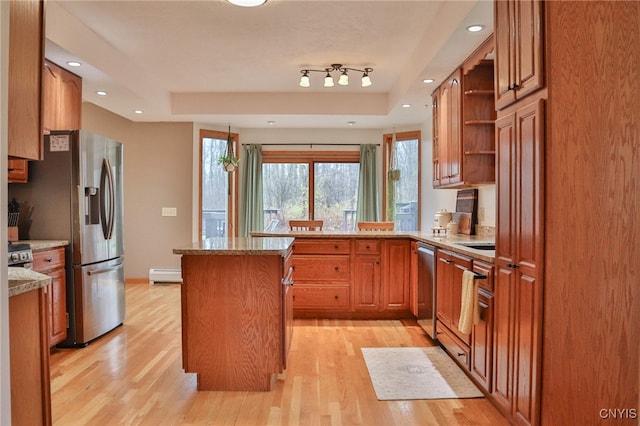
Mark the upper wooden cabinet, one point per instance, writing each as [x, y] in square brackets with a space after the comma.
[18, 171]
[26, 47]
[519, 51]
[62, 96]
[463, 124]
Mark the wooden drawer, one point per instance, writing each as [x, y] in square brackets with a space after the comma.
[320, 297]
[322, 268]
[458, 350]
[486, 269]
[321, 246]
[368, 246]
[47, 260]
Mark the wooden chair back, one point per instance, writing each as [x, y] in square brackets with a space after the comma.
[375, 226]
[306, 225]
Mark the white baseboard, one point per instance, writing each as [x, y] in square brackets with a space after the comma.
[159, 275]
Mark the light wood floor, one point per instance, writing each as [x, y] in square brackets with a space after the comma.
[133, 375]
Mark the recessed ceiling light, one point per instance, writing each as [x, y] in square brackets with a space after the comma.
[475, 28]
[138, 111]
[247, 3]
[427, 80]
[74, 63]
[406, 105]
[271, 122]
[101, 93]
[351, 123]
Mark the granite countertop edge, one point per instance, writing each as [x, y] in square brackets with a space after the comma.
[22, 280]
[239, 246]
[443, 242]
[37, 245]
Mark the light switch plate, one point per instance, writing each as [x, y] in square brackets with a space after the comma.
[169, 211]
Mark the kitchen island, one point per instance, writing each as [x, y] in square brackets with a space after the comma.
[236, 311]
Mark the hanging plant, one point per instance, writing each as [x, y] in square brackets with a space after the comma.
[229, 160]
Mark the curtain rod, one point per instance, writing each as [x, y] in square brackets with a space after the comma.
[312, 144]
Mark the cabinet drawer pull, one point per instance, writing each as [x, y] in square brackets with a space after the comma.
[336, 297]
[461, 354]
[512, 265]
[337, 268]
[368, 248]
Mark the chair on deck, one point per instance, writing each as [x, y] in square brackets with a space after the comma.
[375, 226]
[306, 225]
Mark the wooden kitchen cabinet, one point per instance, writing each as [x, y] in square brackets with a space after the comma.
[26, 53]
[450, 267]
[322, 270]
[397, 279]
[481, 366]
[449, 129]
[519, 67]
[18, 171]
[367, 281]
[518, 284]
[62, 97]
[463, 124]
[29, 359]
[51, 262]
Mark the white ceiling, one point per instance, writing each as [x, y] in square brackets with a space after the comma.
[212, 62]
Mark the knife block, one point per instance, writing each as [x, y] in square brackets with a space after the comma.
[12, 233]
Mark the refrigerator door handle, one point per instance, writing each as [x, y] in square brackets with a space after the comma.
[104, 270]
[107, 189]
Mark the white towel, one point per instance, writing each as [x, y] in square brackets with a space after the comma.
[469, 308]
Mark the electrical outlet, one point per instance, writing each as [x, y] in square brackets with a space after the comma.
[481, 213]
[169, 211]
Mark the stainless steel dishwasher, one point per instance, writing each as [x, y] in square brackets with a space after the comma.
[427, 289]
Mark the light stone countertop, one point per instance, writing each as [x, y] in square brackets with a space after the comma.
[22, 280]
[43, 244]
[444, 242]
[235, 246]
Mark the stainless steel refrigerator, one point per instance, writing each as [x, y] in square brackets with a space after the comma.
[76, 193]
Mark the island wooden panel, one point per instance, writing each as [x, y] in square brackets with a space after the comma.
[233, 320]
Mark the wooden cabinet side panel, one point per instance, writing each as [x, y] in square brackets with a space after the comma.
[26, 44]
[29, 359]
[70, 101]
[235, 320]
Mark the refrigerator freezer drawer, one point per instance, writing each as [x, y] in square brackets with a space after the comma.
[99, 299]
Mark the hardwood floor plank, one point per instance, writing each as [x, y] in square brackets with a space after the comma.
[134, 376]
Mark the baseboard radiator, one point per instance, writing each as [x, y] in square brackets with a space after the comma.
[162, 276]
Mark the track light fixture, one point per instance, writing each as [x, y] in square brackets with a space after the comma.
[343, 80]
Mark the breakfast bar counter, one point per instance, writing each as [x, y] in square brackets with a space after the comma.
[236, 311]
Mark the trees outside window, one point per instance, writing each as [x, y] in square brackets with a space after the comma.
[320, 186]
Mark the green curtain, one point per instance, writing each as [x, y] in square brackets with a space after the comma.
[368, 200]
[251, 206]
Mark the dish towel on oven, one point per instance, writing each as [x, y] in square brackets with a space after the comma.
[469, 308]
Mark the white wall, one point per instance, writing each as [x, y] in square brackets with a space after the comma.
[5, 394]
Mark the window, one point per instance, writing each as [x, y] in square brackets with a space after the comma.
[402, 172]
[303, 185]
[218, 193]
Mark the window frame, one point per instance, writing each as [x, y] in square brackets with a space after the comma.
[310, 158]
[232, 199]
[387, 140]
